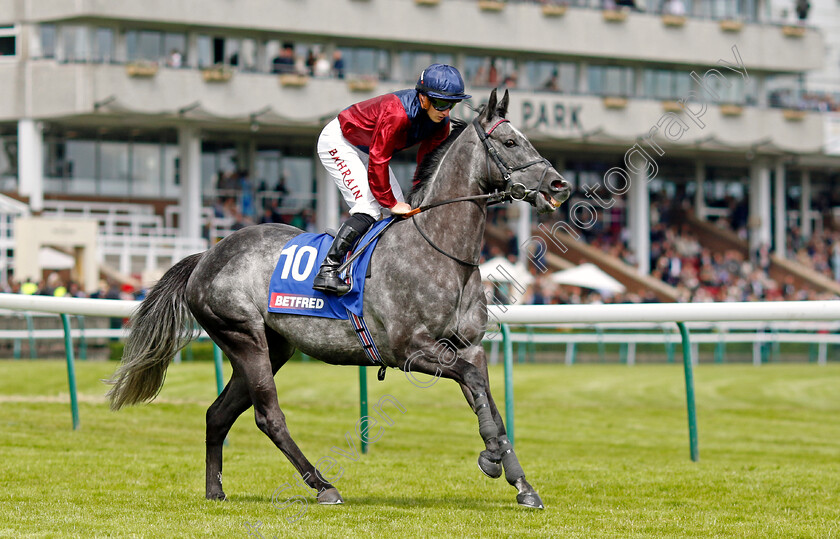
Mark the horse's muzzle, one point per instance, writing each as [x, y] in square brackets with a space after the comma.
[555, 191]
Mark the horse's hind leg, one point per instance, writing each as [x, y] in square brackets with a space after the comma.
[221, 415]
[225, 410]
[247, 350]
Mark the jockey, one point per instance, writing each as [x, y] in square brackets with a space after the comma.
[356, 148]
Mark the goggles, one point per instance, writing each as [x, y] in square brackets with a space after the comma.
[441, 104]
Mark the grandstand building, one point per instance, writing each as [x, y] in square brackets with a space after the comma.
[174, 109]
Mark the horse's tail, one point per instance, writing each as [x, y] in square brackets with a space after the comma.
[160, 326]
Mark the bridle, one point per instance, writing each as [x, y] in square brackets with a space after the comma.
[516, 191]
[512, 191]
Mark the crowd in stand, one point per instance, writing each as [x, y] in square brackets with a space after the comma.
[240, 203]
[681, 261]
[57, 285]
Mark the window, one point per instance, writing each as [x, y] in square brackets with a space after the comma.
[489, 71]
[8, 40]
[75, 39]
[664, 84]
[205, 51]
[299, 174]
[103, 46]
[411, 63]
[48, 40]
[8, 156]
[145, 169]
[143, 45]
[611, 80]
[366, 62]
[550, 76]
[175, 48]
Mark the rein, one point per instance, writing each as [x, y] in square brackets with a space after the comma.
[491, 198]
[513, 191]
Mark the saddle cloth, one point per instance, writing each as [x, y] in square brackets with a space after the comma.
[290, 288]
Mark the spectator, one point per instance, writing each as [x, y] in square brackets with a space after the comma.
[285, 61]
[175, 59]
[322, 66]
[553, 82]
[674, 7]
[311, 58]
[802, 8]
[338, 64]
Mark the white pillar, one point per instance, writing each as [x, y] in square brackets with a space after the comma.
[523, 229]
[805, 204]
[31, 162]
[699, 192]
[638, 219]
[759, 220]
[189, 144]
[326, 202]
[780, 210]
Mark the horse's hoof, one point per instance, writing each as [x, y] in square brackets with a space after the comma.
[529, 499]
[216, 496]
[491, 469]
[330, 497]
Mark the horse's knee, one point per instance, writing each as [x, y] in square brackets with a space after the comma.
[474, 380]
[271, 425]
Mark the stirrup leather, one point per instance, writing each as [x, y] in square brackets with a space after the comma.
[328, 279]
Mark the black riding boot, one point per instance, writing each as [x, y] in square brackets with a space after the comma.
[328, 280]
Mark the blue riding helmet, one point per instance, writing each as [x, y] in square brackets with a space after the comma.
[442, 82]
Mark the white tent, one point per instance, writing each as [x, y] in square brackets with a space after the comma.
[49, 258]
[501, 270]
[588, 276]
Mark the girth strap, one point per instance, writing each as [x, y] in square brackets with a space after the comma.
[366, 339]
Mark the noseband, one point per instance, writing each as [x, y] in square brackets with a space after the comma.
[515, 191]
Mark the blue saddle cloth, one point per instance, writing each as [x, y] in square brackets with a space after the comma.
[290, 288]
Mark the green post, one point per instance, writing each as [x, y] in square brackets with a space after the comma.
[217, 359]
[508, 382]
[363, 405]
[689, 392]
[71, 370]
[30, 327]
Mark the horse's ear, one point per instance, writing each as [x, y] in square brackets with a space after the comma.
[502, 107]
[490, 109]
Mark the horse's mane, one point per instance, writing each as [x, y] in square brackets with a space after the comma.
[432, 160]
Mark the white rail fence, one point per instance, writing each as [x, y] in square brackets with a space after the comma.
[505, 315]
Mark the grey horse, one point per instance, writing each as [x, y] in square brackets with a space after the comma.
[424, 304]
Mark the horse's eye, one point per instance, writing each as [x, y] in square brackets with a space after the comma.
[510, 143]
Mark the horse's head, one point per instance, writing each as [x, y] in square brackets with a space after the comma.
[513, 164]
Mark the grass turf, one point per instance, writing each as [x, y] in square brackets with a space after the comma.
[606, 446]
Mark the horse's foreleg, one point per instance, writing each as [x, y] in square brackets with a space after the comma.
[476, 387]
[501, 454]
[489, 461]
